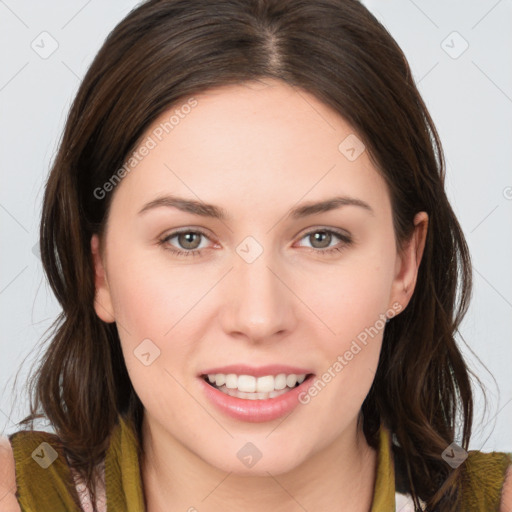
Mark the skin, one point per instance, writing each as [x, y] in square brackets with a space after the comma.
[256, 150]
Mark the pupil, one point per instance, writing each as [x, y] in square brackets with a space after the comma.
[319, 234]
[187, 237]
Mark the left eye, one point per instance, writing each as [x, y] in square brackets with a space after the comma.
[325, 235]
[188, 240]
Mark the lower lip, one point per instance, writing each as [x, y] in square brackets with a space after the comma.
[255, 411]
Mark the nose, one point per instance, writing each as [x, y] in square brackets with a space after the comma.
[261, 305]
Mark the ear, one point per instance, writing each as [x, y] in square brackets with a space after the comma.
[102, 298]
[408, 262]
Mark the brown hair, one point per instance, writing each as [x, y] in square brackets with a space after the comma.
[168, 50]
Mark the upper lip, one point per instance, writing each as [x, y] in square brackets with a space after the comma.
[260, 371]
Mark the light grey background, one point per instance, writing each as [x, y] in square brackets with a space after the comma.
[467, 90]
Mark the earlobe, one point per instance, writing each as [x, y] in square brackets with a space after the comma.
[102, 298]
[408, 262]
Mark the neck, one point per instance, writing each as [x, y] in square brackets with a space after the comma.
[174, 478]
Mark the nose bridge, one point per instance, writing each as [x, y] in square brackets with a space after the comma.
[261, 305]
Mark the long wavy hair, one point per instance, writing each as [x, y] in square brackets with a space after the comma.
[166, 50]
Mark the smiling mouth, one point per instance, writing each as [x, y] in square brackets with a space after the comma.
[255, 388]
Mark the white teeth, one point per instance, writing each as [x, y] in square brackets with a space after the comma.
[252, 396]
[280, 381]
[247, 383]
[291, 380]
[254, 386]
[265, 384]
[231, 381]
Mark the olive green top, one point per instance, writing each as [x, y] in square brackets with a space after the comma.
[45, 482]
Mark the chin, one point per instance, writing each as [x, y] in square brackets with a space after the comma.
[247, 459]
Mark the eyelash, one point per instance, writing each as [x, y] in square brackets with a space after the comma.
[198, 252]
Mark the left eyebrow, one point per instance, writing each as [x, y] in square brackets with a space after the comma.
[209, 210]
[327, 205]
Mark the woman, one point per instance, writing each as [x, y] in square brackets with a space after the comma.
[247, 229]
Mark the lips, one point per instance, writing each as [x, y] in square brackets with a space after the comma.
[255, 411]
[255, 407]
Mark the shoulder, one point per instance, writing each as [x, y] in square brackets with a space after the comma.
[506, 494]
[25, 479]
[8, 500]
[28, 454]
[487, 480]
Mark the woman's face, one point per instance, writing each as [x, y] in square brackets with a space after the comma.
[263, 290]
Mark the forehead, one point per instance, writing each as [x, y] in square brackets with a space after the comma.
[256, 144]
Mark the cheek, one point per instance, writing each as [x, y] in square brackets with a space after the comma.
[147, 297]
[154, 331]
[355, 295]
[355, 311]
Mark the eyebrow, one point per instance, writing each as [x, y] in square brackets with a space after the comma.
[209, 210]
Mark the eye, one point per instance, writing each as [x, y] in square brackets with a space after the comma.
[321, 239]
[190, 240]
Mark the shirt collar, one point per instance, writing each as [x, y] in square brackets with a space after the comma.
[384, 490]
[124, 480]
